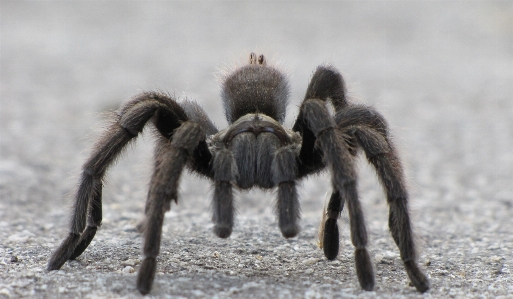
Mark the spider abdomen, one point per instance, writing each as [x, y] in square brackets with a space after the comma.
[255, 88]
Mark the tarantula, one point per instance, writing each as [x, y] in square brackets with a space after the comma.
[255, 150]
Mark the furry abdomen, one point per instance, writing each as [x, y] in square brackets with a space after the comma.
[254, 156]
[255, 89]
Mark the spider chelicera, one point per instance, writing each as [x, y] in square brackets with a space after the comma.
[255, 150]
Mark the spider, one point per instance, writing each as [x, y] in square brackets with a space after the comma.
[255, 150]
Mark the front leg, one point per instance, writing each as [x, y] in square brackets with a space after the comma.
[88, 200]
[390, 173]
[341, 163]
[326, 85]
[370, 130]
[170, 159]
[330, 236]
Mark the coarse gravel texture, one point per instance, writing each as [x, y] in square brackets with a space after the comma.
[440, 72]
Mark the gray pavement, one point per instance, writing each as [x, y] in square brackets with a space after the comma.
[441, 73]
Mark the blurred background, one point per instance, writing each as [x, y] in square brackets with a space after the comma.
[440, 72]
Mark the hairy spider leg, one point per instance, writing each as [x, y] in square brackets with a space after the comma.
[372, 135]
[371, 132]
[330, 238]
[187, 144]
[170, 159]
[326, 84]
[225, 172]
[284, 173]
[341, 164]
[128, 124]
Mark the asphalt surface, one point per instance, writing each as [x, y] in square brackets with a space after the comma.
[440, 72]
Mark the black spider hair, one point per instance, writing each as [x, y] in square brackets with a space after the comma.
[255, 88]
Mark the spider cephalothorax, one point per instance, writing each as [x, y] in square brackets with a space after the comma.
[255, 150]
